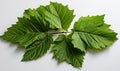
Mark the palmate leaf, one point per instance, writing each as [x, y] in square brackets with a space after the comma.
[64, 51]
[57, 15]
[92, 32]
[30, 33]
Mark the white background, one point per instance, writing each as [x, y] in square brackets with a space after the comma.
[107, 60]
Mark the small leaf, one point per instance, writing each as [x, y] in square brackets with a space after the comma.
[22, 28]
[57, 15]
[78, 43]
[64, 51]
[92, 32]
[37, 48]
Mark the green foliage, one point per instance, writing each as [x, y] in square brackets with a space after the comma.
[64, 50]
[92, 32]
[34, 32]
[38, 48]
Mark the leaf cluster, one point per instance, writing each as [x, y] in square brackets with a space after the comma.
[35, 30]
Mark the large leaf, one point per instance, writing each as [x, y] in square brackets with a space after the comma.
[30, 32]
[57, 15]
[64, 51]
[92, 32]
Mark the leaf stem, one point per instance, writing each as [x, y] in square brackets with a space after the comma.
[58, 32]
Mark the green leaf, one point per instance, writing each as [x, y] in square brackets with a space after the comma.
[37, 20]
[30, 32]
[78, 43]
[38, 48]
[92, 32]
[64, 51]
[57, 15]
[23, 27]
